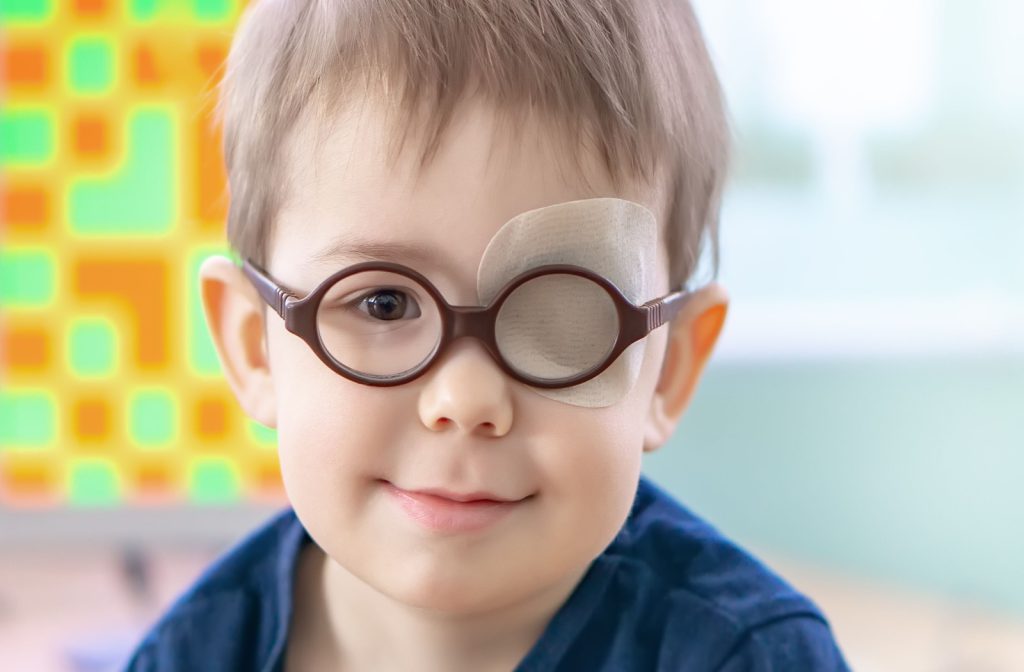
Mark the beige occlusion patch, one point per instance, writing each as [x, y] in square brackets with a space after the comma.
[617, 239]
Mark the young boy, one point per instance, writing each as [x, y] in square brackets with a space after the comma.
[467, 350]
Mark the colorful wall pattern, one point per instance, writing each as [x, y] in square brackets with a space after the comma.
[112, 194]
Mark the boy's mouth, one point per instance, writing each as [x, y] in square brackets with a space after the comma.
[479, 495]
[441, 510]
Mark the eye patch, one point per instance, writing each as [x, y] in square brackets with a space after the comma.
[613, 237]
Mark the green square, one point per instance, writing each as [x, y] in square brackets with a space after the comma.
[90, 65]
[213, 10]
[263, 436]
[140, 10]
[93, 482]
[213, 480]
[27, 278]
[152, 418]
[25, 10]
[26, 136]
[27, 420]
[92, 345]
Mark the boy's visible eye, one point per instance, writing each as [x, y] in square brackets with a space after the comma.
[388, 304]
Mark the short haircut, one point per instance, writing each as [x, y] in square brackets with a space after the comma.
[633, 77]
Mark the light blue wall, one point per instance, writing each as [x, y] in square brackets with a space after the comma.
[910, 471]
[865, 406]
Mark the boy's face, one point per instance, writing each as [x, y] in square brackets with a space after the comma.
[464, 426]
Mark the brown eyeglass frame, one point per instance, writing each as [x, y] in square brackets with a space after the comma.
[299, 314]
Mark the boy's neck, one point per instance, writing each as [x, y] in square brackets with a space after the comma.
[344, 623]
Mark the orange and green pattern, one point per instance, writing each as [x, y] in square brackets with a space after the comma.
[112, 193]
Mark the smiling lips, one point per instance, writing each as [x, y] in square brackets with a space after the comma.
[442, 511]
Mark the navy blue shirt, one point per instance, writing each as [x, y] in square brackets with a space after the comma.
[669, 593]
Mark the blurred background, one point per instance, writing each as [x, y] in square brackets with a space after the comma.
[860, 427]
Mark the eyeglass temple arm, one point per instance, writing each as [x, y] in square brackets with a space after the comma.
[665, 310]
[275, 295]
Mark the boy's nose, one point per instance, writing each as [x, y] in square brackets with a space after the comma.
[467, 389]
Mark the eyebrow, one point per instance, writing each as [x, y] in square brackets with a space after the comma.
[355, 249]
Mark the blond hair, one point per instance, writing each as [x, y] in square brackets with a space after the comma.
[633, 74]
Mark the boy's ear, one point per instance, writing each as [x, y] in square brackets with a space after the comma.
[234, 315]
[691, 339]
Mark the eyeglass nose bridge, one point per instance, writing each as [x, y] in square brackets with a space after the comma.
[471, 322]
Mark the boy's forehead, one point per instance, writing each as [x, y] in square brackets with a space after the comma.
[346, 203]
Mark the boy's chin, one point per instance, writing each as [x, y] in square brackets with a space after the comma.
[453, 598]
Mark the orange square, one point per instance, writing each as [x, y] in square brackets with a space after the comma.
[92, 419]
[26, 349]
[146, 69]
[25, 207]
[90, 135]
[211, 417]
[28, 480]
[211, 57]
[150, 479]
[25, 65]
[91, 8]
[270, 478]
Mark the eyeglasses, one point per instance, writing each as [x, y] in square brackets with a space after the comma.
[382, 324]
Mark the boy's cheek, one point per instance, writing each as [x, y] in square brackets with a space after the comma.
[291, 359]
[581, 448]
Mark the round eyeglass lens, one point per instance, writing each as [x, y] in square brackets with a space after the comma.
[557, 326]
[378, 323]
